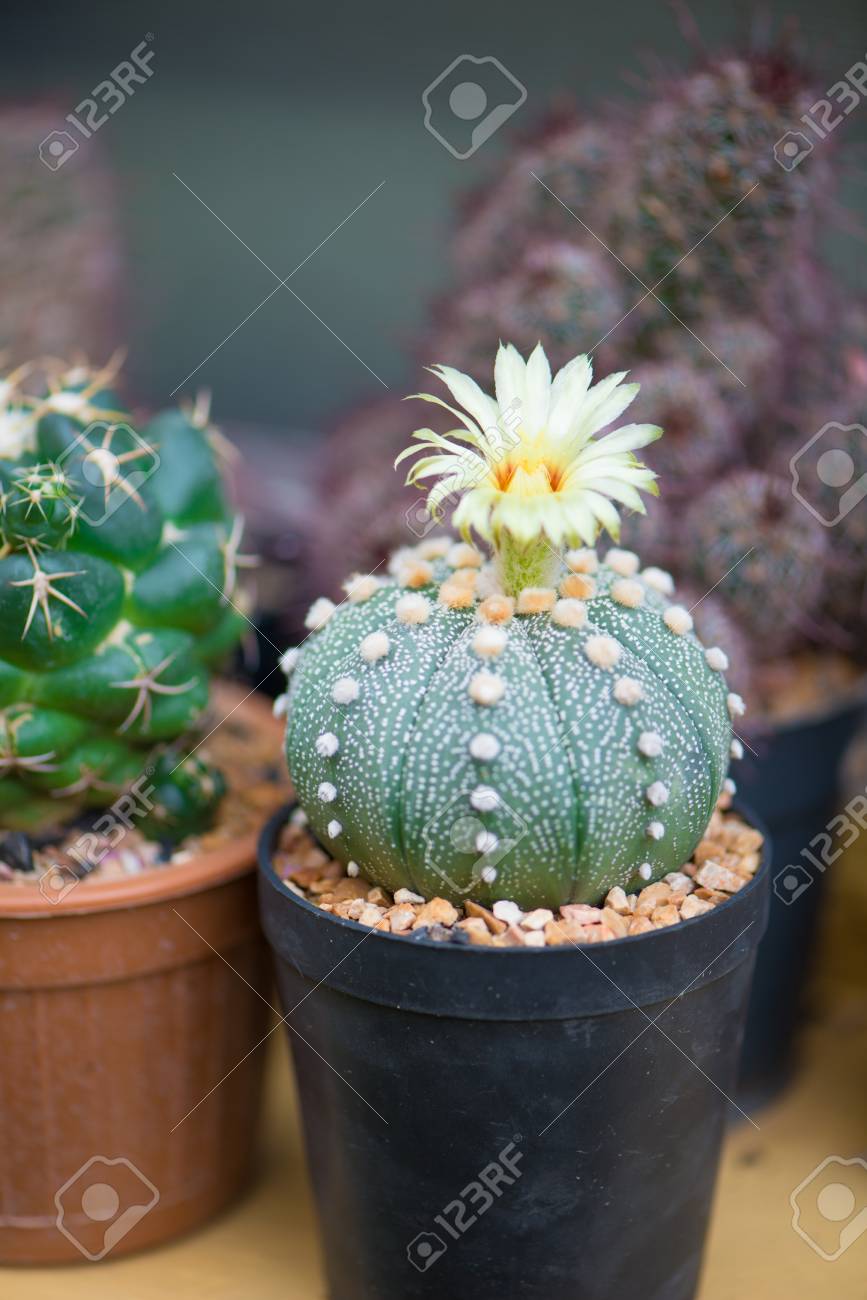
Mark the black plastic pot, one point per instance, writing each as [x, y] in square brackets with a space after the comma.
[792, 782]
[489, 1123]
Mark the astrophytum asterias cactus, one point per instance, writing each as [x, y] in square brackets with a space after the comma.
[116, 571]
[539, 723]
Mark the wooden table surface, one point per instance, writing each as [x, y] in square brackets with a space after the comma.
[266, 1249]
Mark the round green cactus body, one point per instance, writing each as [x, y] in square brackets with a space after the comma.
[116, 576]
[538, 724]
[541, 749]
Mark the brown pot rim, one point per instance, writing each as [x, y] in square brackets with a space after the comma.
[204, 871]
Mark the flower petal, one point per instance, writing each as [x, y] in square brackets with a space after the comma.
[469, 395]
[538, 391]
[569, 386]
[510, 379]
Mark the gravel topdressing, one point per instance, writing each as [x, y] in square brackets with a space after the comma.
[724, 861]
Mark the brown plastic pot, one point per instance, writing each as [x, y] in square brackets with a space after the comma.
[128, 1100]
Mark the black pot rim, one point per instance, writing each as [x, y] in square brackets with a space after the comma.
[467, 982]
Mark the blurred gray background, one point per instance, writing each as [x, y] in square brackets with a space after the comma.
[283, 117]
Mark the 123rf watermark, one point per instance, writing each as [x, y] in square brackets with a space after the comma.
[823, 117]
[103, 101]
[829, 1208]
[829, 473]
[101, 1204]
[94, 845]
[467, 1208]
[823, 850]
[469, 101]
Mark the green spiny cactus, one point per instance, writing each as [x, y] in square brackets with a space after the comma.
[540, 725]
[117, 567]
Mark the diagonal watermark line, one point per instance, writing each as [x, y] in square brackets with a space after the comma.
[722, 1092]
[337, 336]
[216, 727]
[375, 190]
[689, 253]
[595, 1080]
[225, 961]
[340, 1076]
[284, 1020]
[231, 334]
[227, 1075]
[653, 1022]
[282, 281]
[745, 556]
[226, 226]
[703, 971]
[737, 735]
[618, 323]
[227, 599]
[707, 349]
[598, 238]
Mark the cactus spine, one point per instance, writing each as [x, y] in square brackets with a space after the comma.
[118, 560]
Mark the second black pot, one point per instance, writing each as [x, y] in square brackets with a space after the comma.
[792, 782]
[485, 1123]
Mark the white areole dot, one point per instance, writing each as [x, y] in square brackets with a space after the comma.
[628, 691]
[484, 747]
[345, 690]
[736, 706]
[657, 794]
[490, 641]
[319, 613]
[626, 563]
[413, 609]
[289, 660]
[484, 798]
[327, 744]
[486, 688]
[603, 651]
[375, 645]
[659, 580]
[716, 659]
[650, 744]
[678, 620]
